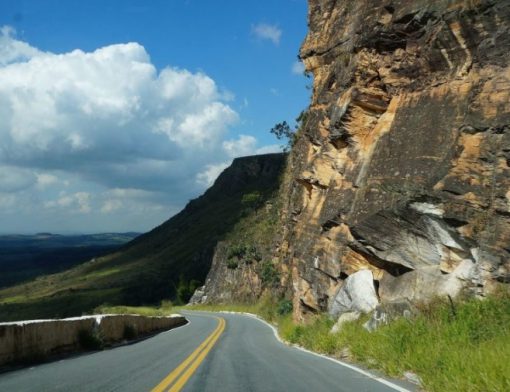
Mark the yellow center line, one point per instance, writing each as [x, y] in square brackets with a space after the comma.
[188, 373]
[205, 347]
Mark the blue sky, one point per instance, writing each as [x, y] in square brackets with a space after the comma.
[116, 113]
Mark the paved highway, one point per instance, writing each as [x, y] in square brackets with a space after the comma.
[215, 352]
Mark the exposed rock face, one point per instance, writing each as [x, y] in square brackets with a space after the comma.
[228, 285]
[402, 167]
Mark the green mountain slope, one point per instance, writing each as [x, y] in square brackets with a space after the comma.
[166, 263]
[24, 257]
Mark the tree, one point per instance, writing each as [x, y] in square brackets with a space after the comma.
[283, 131]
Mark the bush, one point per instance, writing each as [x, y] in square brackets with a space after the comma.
[269, 274]
[238, 251]
[284, 307]
[185, 289]
[130, 332]
[232, 263]
[252, 200]
[166, 305]
[90, 340]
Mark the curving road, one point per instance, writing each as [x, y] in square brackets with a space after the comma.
[215, 352]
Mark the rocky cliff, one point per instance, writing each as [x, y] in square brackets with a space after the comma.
[402, 165]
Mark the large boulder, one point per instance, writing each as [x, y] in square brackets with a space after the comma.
[426, 283]
[357, 294]
[387, 312]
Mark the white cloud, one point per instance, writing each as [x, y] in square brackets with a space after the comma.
[272, 148]
[76, 202]
[266, 31]
[247, 145]
[211, 172]
[98, 114]
[244, 145]
[103, 140]
[44, 180]
[298, 68]
[111, 205]
[111, 101]
[12, 50]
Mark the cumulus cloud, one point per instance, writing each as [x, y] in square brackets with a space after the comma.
[298, 68]
[106, 114]
[266, 31]
[211, 172]
[109, 105]
[76, 202]
[12, 50]
[244, 145]
[105, 132]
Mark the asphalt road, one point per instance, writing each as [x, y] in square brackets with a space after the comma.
[237, 354]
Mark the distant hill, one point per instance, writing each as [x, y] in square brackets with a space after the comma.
[23, 257]
[165, 263]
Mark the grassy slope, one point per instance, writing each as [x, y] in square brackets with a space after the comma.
[24, 257]
[149, 268]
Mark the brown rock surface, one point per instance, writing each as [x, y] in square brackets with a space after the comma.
[402, 165]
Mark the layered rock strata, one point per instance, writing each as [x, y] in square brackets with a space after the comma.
[402, 165]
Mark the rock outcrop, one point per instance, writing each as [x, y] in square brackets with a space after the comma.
[402, 164]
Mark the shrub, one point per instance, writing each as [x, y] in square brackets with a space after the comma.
[252, 200]
[232, 263]
[130, 332]
[185, 289]
[269, 274]
[284, 307]
[90, 339]
[238, 251]
[166, 305]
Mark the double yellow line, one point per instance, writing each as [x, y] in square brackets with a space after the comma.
[181, 374]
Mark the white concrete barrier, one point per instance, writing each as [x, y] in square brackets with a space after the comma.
[34, 340]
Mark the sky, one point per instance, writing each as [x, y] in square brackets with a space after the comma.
[114, 114]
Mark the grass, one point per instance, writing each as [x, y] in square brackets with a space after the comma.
[465, 351]
[165, 309]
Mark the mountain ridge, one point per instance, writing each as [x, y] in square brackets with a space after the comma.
[170, 260]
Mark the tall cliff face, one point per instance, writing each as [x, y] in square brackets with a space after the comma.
[402, 166]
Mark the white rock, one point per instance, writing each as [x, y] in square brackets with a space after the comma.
[344, 318]
[428, 208]
[356, 295]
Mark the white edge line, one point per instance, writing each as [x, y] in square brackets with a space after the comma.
[347, 365]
